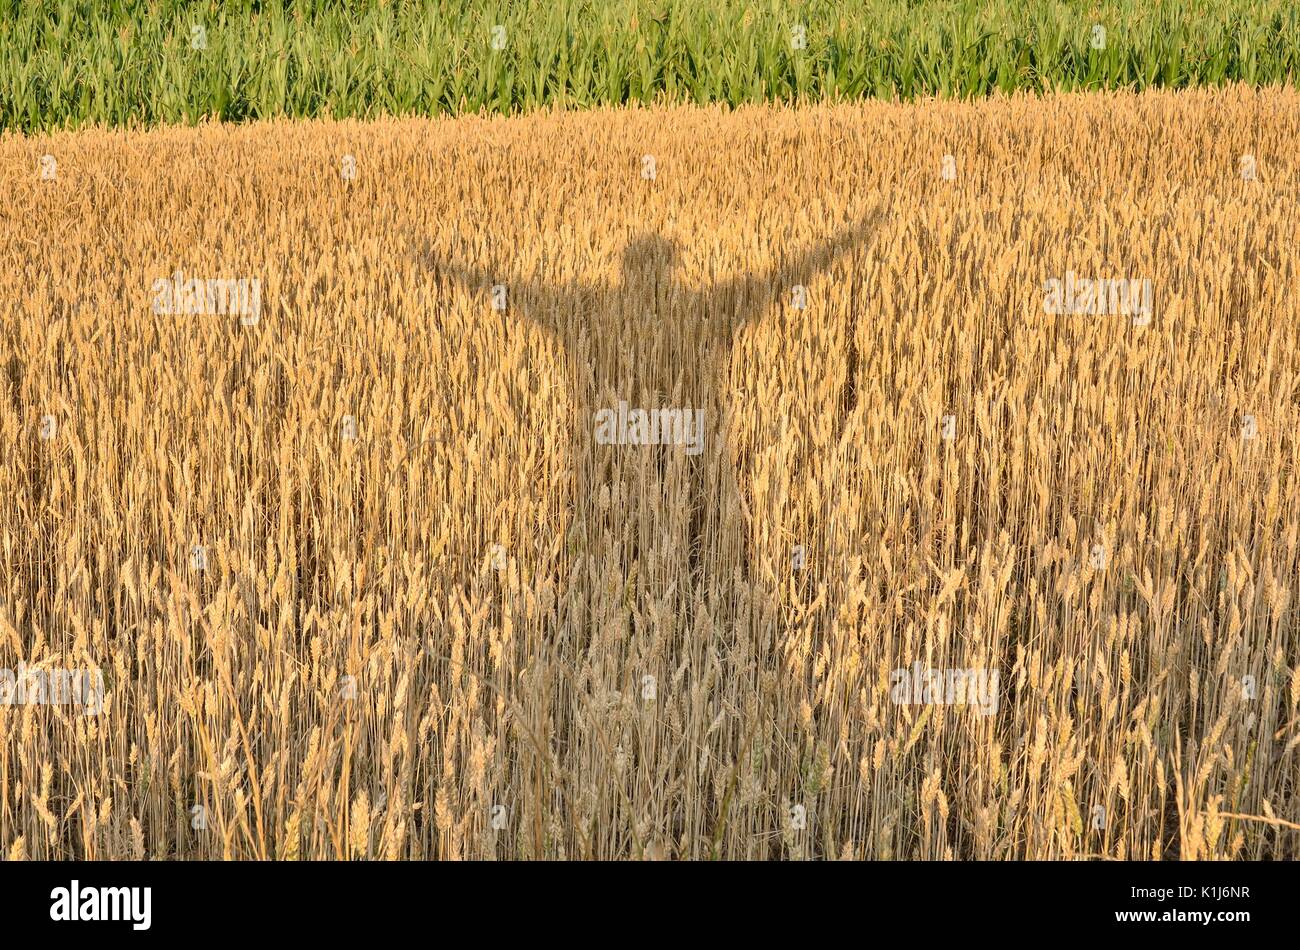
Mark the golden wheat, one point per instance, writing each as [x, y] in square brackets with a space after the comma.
[363, 584]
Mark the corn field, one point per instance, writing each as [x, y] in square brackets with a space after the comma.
[363, 581]
[69, 63]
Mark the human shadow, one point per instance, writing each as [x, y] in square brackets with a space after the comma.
[646, 342]
[659, 572]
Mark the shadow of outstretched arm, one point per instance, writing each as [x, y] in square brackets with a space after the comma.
[747, 297]
[492, 281]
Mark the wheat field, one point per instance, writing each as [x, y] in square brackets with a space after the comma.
[363, 582]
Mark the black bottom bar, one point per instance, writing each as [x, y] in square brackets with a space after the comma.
[339, 900]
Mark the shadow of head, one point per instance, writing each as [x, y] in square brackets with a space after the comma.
[650, 258]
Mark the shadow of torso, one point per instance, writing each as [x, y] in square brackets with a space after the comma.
[655, 508]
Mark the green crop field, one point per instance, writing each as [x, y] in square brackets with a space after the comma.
[67, 64]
